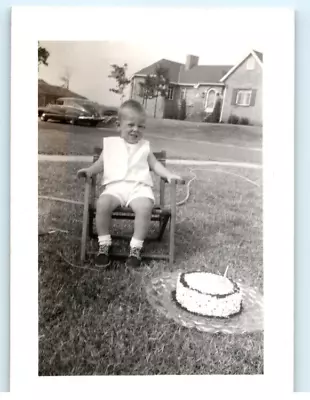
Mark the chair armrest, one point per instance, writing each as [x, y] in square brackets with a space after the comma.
[176, 181]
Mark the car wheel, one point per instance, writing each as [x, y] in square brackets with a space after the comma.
[44, 118]
[93, 124]
[73, 121]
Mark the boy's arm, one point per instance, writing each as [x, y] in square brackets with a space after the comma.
[159, 169]
[94, 169]
[97, 166]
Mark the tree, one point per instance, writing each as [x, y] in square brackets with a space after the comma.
[119, 74]
[161, 84]
[182, 111]
[147, 88]
[43, 55]
[66, 77]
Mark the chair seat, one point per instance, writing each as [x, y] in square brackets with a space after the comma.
[157, 210]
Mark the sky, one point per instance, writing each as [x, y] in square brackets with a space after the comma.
[90, 62]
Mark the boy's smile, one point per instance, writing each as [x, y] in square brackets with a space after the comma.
[132, 125]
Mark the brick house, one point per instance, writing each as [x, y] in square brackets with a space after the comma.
[238, 86]
[243, 89]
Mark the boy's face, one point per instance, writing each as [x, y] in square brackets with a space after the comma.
[132, 125]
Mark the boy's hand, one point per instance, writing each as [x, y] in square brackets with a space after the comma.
[172, 176]
[84, 173]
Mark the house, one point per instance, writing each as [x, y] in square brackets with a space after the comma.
[238, 87]
[243, 90]
[49, 93]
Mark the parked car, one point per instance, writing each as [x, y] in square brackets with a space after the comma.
[71, 110]
[110, 117]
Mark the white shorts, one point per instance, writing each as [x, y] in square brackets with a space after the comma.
[126, 191]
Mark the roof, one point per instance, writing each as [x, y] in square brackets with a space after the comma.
[256, 54]
[178, 74]
[172, 66]
[259, 55]
[203, 73]
[47, 89]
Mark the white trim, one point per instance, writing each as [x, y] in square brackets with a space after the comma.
[207, 97]
[181, 83]
[210, 84]
[137, 76]
[196, 85]
[223, 102]
[238, 65]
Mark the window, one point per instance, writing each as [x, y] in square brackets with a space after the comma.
[69, 103]
[250, 63]
[170, 93]
[243, 97]
[60, 102]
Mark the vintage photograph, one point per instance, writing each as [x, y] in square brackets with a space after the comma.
[150, 213]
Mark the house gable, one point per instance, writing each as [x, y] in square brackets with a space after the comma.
[258, 57]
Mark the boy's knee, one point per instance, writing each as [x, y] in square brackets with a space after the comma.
[143, 206]
[106, 204]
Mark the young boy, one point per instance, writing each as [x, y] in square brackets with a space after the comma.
[126, 162]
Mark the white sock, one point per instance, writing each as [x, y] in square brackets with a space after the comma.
[105, 239]
[136, 243]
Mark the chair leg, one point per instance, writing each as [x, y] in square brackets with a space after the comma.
[91, 223]
[92, 208]
[162, 226]
[172, 223]
[85, 221]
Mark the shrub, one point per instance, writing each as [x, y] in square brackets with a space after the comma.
[216, 113]
[215, 116]
[209, 118]
[244, 121]
[182, 111]
[233, 119]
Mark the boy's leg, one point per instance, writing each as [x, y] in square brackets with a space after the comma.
[106, 204]
[142, 207]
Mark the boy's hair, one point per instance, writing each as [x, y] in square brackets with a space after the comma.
[132, 105]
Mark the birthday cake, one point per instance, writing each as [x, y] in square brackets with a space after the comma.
[208, 294]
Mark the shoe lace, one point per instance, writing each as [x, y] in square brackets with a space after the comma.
[104, 249]
[135, 252]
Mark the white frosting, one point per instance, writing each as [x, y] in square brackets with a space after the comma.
[209, 283]
[206, 303]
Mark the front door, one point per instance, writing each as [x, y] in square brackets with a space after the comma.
[210, 101]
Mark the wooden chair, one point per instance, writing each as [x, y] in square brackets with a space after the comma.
[161, 213]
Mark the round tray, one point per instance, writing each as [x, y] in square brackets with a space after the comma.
[161, 295]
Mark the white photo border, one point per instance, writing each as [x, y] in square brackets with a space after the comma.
[31, 24]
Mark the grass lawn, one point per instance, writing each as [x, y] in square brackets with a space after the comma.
[100, 322]
[179, 139]
[239, 135]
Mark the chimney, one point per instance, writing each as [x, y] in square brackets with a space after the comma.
[191, 61]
